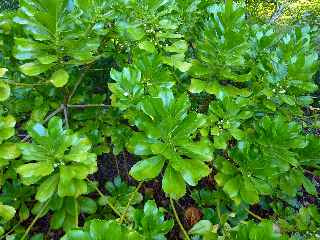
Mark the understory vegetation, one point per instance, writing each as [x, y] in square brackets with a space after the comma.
[159, 119]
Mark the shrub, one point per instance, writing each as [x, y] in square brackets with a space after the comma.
[191, 91]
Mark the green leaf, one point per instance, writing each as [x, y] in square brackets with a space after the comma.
[197, 86]
[87, 205]
[232, 187]
[191, 170]
[173, 183]
[59, 78]
[138, 145]
[3, 71]
[201, 228]
[128, 89]
[4, 91]
[47, 188]
[147, 46]
[7, 129]
[151, 223]
[9, 151]
[221, 141]
[61, 150]
[7, 212]
[131, 31]
[57, 219]
[35, 170]
[34, 69]
[177, 47]
[48, 59]
[100, 229]
[309, 186]
[147, 168]
[197, 150]
[248, 192]
[68, 185]
[288, 99]
[24, 212]
[78, 235]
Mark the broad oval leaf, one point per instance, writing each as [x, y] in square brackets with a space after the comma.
[173, 184]
[60, 78]
[147, 168]
[4, 91]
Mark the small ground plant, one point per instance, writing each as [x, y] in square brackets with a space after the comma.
[157, 119]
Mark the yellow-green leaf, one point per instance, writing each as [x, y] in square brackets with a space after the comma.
[4, 91]
[34, 69]
[3, 71]
[60, 78]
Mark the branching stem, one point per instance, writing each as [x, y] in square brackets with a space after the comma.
[254, 215]
[77, 213]
[11, 230]
[103, 196]
[34, 220]
[51, 115]
[65, 113]
[123, 216]
[87, 105]
[78, 82]
[178, 220]
[26, 84]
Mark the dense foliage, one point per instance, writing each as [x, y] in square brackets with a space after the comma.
[203, 102]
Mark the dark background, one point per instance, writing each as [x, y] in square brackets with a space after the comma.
[8, 4]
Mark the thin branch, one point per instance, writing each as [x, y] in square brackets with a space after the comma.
[178, 220]
[58, 110]
[65, 113]
[87, 105]
[51, 115]
[88, 66]
[117, 164]
[11, 230]
[78, 82]
[314, 108]
[103, 196]
[123, 216]
[308, 171]
[26, 84]
[77, 213]
[97, 69]
[254, 215]
[35, 220]
[125, 163]
[280, 9]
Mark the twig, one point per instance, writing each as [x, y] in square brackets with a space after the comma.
[308, 171]
[219, 216]
[76, 211]
[254, 215]
[103, 196]
[34, 220]
[87, 105]
[26, 84]
[58, 110]
[88, 66]
[178, 220]
[277, 13]
[97, 69]
[11, 230]
[125, 162]
[117, 164]
[65, 113]
[314, 108]
[78, 82]
[123, 216]
[51, 115]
